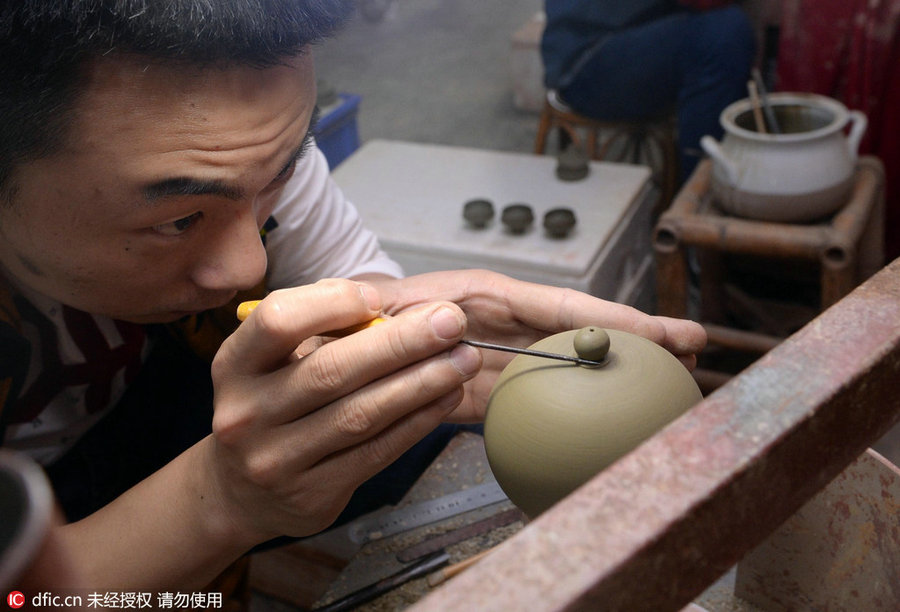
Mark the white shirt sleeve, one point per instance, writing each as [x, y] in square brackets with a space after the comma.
[320, 234]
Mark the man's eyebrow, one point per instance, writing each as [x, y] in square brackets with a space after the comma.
[189, 186]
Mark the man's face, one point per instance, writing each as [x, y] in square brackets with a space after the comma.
[152, 208]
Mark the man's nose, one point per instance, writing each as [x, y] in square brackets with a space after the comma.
[234, 257]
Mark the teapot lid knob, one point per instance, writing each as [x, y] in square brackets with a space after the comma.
[591, 343]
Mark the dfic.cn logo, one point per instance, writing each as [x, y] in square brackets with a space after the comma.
[15, 599]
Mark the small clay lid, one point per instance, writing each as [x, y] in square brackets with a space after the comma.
[517, 217]
[559, 222]
[478, 212]
[572, 164]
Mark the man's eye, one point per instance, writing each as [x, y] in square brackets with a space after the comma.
[286, 172]
[179, 226]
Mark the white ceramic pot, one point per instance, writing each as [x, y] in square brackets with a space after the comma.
[803, 174]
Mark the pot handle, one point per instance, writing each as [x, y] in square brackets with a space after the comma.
[860, 122]
[714, 150]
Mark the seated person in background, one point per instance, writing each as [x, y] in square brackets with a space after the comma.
[156, 167]
[642, 59]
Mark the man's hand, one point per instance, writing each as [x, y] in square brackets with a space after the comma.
[299, 425]
[301, 422]
[506, 311]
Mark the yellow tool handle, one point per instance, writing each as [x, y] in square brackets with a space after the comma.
[443, 575]
[340, 333]
[245, 308]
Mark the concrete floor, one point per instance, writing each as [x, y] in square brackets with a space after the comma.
[434, 71]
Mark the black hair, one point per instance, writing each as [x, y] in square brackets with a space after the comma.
[44, 44]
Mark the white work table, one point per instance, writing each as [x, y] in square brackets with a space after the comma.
[412, 197]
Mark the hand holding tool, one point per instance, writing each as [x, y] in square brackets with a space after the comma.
[245, 308]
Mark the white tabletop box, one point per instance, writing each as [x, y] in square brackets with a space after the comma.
[412, 197]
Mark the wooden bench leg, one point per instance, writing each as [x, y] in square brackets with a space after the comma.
[540, 142]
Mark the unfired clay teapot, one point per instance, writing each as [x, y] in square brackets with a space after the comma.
[552, 425]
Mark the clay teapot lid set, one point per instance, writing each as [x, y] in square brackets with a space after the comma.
[518, 217]
[552, 425]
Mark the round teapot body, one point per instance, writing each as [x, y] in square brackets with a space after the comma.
[551, 426]
[802, 174]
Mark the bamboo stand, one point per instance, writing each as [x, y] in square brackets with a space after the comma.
[849, 248]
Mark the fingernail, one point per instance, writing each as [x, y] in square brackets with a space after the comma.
[466, 359]
[371, 296]
[446, 323]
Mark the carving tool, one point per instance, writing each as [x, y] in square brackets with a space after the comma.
[531, 352]
[445, 574]
[245, 308]
[418, 569]
[424, 560]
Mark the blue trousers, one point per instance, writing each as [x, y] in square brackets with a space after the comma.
[694, 64]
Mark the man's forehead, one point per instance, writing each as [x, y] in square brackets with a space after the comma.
[127, 74]
[127, 94]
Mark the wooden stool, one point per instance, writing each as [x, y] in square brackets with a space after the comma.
[600, 136]
[848, 248]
